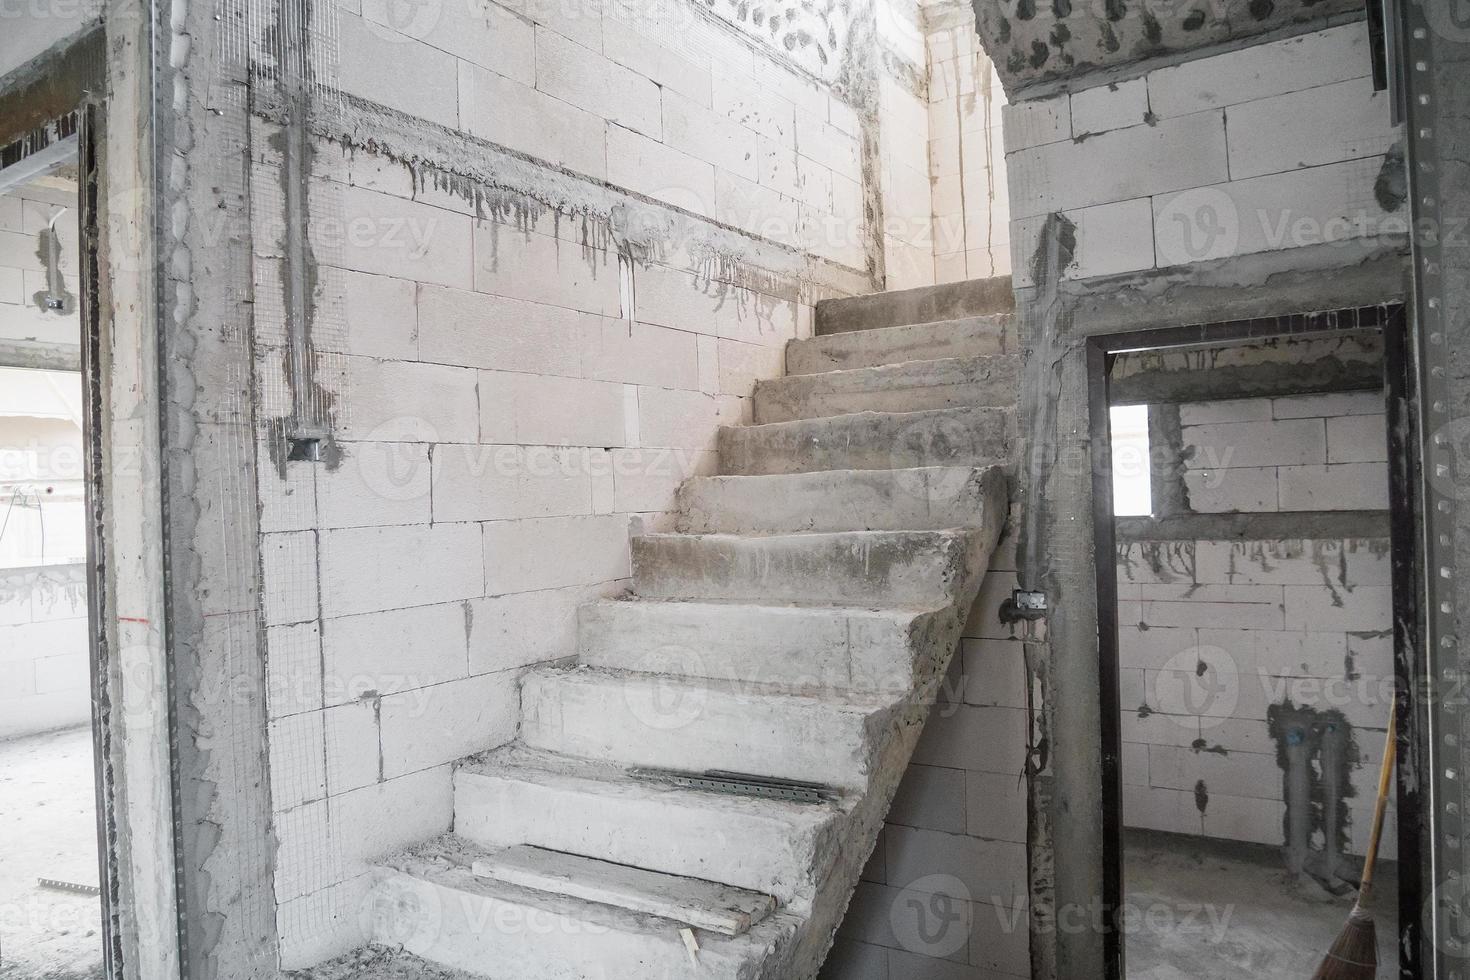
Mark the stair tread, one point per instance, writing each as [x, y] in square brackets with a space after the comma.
[879, 373]
[964, 336]
[893, 474]
[871, 440]
[845, 701]
[811, 536]
[708, 905]
[923, 566]
[920, 304]
[521, 762]
[910, 385]
[448, 861]
[850, 417]
[895, 611]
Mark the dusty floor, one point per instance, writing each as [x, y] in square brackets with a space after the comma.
[379, 964]
[1197, 914]
[48, 830]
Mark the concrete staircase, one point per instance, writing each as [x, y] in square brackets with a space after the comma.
[794, 629]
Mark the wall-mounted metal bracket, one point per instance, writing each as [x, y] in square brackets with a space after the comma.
[1027, 607]
[304, 450]
[1024, 606]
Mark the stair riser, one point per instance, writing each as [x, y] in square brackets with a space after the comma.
[933, 498]
[654, 723]
[492, 936]
[975, 337]
[772, 856]
[773, 406]
[919, 386]
[907, 571]
[823, 649]
[967, 437]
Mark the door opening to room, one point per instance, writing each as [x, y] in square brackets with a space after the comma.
[50, 883]
[1256, 632]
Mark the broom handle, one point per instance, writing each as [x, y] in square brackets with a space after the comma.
[1385, 779]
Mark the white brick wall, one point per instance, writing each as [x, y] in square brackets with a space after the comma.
[45, 680]
[1270, 147]
[30, 31]
[24, 215]
[967, 159]
[1287, 454]
[1304, 620]
[663, 99]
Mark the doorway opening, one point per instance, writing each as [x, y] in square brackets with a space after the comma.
[1256, 631]
[50, 866]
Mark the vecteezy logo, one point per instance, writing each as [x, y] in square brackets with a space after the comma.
[657, 698]
[1200, 684]
[1197, 225]
[401, 20]
[933, 916]
[1448, 19]
[1450, 453]
[1448, 905]
[401, 911]
[392, 462]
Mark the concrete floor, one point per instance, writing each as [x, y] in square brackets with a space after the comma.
[48, 829]
[1199, 912]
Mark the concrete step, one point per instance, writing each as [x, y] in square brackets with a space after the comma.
[807, 647]
[429, 902]
[661, 721]
[969, 337]
[870, 441]
[925, 304]
[913, 386]
[516, 795]
[881, 568]
[701, 904]
[921, 498]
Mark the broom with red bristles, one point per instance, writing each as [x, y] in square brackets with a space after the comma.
[1354, 956]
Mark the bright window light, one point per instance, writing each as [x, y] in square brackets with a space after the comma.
[1132, 479]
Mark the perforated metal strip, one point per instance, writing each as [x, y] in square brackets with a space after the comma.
[741, 784]
[1426, 23]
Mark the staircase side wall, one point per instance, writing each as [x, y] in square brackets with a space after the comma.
[945, 892]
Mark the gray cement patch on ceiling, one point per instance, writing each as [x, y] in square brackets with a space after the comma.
[1035, 41]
